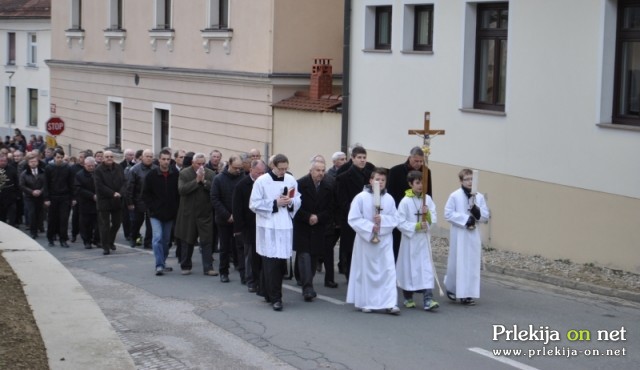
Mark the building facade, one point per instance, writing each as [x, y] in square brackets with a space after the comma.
[25, 34]
[544, 103]
[155, 73]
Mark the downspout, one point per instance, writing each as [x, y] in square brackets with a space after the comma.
[346, 62]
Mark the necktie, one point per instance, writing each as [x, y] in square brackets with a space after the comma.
[35, 172]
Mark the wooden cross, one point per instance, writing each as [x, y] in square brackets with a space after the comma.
[426, 134]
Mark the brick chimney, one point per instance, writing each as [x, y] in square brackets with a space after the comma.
[321, 78]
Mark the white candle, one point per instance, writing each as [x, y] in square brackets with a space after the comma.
[474, 184]
[376, 193]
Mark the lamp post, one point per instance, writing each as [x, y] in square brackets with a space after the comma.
[10, 107]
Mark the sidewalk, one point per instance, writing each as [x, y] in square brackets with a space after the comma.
[75, 332]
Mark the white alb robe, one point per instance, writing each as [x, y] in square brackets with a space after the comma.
[414, 266]
[372, 279]
[274, 231]
[465, 246]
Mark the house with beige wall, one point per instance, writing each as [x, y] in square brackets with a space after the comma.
[196, 75]
[542, 102]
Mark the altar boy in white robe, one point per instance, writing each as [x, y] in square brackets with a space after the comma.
[275, 201]
[372, 281]
[414, 266]
[463, 210]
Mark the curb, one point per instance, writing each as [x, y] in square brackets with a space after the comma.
[556, 281]
[75, 332]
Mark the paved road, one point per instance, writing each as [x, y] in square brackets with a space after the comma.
[197, 322]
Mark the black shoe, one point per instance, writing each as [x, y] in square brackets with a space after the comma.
[309, 296]
[73, 239]
[277, 306]
[51, 244]
[87, 245]
[64, 244]
[331, 284]
[451, 296]
[252, 289]
[113, 247]
[167, 269]
[106, 252]
[468, 301]
[34, 236]
[224, 278]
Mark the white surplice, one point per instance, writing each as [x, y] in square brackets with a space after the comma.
[414, 266]
[372, 279]
[465, 246]
[274, 230]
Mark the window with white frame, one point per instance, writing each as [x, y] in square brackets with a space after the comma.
[32, 49]
[218, 14]
[33, 107]
[418, 28]
[115, 123]
[76, 14]
[11, 48]
[161, 126]
[163, 17]
[11, 104]
[115, 15]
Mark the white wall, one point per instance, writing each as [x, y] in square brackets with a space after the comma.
[555, 86]
[25, 77]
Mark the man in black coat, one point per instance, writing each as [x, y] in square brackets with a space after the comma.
[133, 198]
[311, 222]
[126, 164]
[244, 224]
[397, 185]
[75, 218]
[160, 194]
[349, 184]
[59, 198]
[85, 193]
[33, 184]
[110, 187]
[222, 202]
[9, 191]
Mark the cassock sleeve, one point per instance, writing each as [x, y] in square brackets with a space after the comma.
[457, 217]
[432, 209]
[484, 210]
[407, 225]
[356, 218]
[258, 202]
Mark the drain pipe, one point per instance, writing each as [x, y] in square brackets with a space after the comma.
[346, 62]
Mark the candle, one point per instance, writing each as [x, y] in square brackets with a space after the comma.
[474, 184]
[376, 193]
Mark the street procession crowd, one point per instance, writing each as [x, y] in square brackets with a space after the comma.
[254, 213]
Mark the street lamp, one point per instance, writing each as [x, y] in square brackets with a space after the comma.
[10, 107]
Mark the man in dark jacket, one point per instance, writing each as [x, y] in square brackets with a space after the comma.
[75, 218]
[9, 191]
[221, 200]
[85, 193]
[160, 195]
[59, 198]
[135, 180]
[311, 222]
[110, 185]
[349, 184]
[244, 224]
[397, 185]
[33, 184]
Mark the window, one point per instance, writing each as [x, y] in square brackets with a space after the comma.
[218, 14]
[11, 48]
[163, 14]
[383, 28]
[626, 98]
[32, 49]
[115, 123]
[115, 15]
[161, 126]
[76, 14]
[423, 28]
[491, 56]
[33, 107]
[11, 104]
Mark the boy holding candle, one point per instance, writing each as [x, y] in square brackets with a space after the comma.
[464, 208]
[373, 216]
[414, 266]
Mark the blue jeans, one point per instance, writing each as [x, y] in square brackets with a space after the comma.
[161, 236]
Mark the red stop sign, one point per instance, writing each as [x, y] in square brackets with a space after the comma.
[55, 126]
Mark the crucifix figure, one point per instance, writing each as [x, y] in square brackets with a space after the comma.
[426, 135]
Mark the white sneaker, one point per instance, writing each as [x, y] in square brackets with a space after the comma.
[393, 310]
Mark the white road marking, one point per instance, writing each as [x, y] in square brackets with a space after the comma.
[320, 296]
[516, 364]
